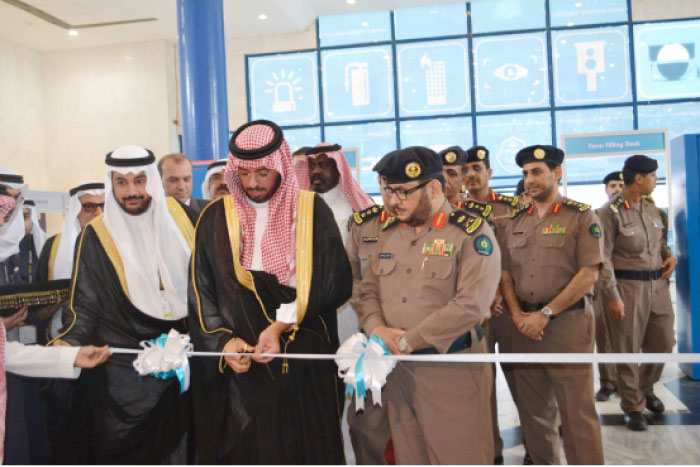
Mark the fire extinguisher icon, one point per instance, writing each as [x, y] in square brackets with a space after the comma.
[357, 83]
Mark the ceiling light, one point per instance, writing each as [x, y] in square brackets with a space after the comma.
[73, 32]
[262, 16]
[350, 2]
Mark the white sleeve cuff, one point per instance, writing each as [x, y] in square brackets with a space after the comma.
[287, 313]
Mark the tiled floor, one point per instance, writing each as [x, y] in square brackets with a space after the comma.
[672, 438]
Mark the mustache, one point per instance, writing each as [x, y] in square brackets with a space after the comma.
[134, 198]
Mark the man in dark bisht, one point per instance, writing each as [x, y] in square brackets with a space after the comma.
[269, 271]
[129, 285]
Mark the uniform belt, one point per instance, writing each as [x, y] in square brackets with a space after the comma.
[461, 343]
[529, 307]
[638, 275]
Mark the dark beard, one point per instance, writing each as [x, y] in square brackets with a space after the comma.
[145, 204]
[422, 212]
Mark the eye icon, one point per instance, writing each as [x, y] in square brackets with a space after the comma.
[510, 72]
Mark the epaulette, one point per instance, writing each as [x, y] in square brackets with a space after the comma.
[515, 213]
[367, 214]
[615, 205]
[466, 221]
[509, 200]
[389, 222]
[649, 198]
[480, 209]
[570, 203]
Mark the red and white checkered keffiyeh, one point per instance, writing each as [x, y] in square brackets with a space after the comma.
[357, 198]
[3, 391]
[7, 203]
[279, 238]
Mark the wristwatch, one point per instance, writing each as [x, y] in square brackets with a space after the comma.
[402, 345]
[548, 312]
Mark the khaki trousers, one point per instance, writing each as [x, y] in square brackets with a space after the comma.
[439, 413]
[500, 329]
[369, 431]
[647, 327]
[570, 387]
[608, 378]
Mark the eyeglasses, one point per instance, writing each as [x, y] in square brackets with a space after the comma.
[402, 195]
[92, 207]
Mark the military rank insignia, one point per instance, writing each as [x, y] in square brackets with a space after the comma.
[483, 245]
[554, 229]
[438, 248]
[595, 231]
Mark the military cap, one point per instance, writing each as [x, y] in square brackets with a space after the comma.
[539, 153]
[612, 177]
[380, 164]
[520, 189]
[477, 154]
[413, 163]
[640, 164]
[454, 155]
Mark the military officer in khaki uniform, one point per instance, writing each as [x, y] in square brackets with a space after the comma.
[369, 428]
[454, 172]
[551, 260]
[608, 382]
[427, 290]
[638, 264]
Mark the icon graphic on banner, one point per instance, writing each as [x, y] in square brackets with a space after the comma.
[435, 80]
[590, 60]
[506, 153]
[672, 62]
[357, 83]
[283, 88]
[510, 72]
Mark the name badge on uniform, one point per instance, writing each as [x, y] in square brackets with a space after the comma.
[554, 229]
[518, 234]
[438, 248]
[369, 239]
[630, 224]
[385, 255]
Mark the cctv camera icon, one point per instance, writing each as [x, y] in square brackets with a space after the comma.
[590, 60]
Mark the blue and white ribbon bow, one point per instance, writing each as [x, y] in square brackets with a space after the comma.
[361, 366]
[166, 357]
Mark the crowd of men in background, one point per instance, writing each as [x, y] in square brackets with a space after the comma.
[286, 254]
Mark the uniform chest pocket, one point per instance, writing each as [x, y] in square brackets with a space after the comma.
[437, 267]
[516, 249]
[631, 239]
[383, 266]
[517, 242]
[555, 249]
[553, 241]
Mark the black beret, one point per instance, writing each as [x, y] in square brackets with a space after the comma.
[454, 155]
[640, 164]
[477, 154]
[539, 153]
[380, 164]
[413, 163]
[520, 189]
[612, 177]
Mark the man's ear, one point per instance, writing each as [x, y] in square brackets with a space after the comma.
[558, 173]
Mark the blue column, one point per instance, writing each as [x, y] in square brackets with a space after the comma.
[200, 25]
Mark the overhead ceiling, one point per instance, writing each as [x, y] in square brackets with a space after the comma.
[38, 31]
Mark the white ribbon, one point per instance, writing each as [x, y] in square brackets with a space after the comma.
[361, 365]
[166, 357]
